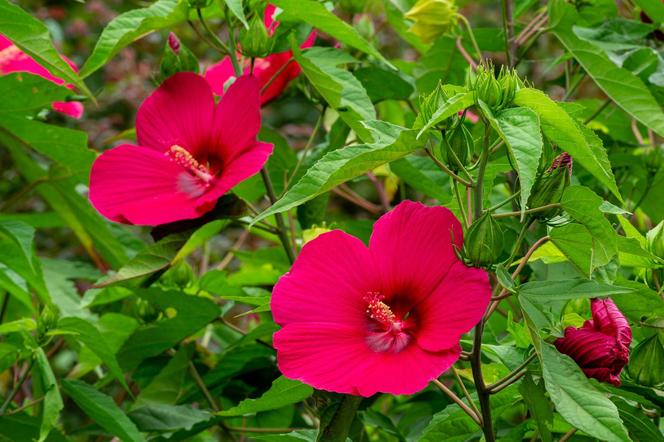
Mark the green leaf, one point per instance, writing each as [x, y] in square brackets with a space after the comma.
[343, 92]
[341, 165]
[625, 89]
[129, 27]
[577, 244]
[520, 128]
[641, 428]
[235, 6]
[166, 387]
[52, 404]
[583, 205]
[168, 418]
[543, 301]
[33, 37]
[17, 253]
[95, 342]
[198, 238]
[561, 129]
[19, 325]
[102, 409]
[451, 106]
[538, 405]
[185, 315]
[382, 84]
[577, 401]
[282, 392]
[654, 9]
[422, 174]
[23, 93]
[316, 15]
[67, 147]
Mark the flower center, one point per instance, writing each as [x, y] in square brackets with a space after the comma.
[185, 159]
[387, 332]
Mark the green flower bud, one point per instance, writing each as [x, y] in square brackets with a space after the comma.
[176, 58]
[432, 18]
[646, 364]
[655, 240]
[255, 41]
[180, 275]
[484, 241]
[496, 92]
[549, 188]
[47, 320]
[429, 105]
[459, 146]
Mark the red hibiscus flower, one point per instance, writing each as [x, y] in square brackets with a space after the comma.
[264, 68]
[601, 345]
[190, 152]
[384, 318]
[12, 59]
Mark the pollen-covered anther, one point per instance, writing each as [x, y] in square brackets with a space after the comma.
[378, 310]
[182, 156]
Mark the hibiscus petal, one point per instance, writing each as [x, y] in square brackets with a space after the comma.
[455, 307]
[138, 185]
[327, 283]
[413, 247]
[266, 68]
[244, 166]
[180, 112]
[237, 119]
[218, 74]
[72, 109]
[335, 357]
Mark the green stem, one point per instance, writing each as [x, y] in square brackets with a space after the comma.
[339, 427]
[535, 210]
[465, 21]
[508, 31]
[216, 41]
[482, 392]
[512, 377]
[514, 196]
[281, 226]
[598, 111]
[462, 209]
[445, 169]
[231, 39]
[479, 182]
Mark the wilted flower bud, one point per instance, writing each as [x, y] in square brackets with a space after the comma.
[459, 146]
[655, 240]
[255, 41]
[601, 346]
[484, 241]
[432, 18]
[551, 185]
[174, 43]
[646, 365]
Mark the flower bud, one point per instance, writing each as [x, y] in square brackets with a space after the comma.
[255, 42]
[432, 18]
[180, 275]
[459, 147]
[551, 185]
[484, 241]
[646, 365]
[655, 240]
[47, 320]
[496, 92]
[601, 346]
[176, 58]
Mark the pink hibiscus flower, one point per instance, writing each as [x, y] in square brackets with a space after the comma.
[264, 68]
[190, 152]
[384, 318]
[12, 59]
[601, 345]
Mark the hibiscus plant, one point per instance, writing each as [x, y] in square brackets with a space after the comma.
[331, 220]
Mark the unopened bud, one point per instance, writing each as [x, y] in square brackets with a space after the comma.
[255, 42]
[551, 185]
[496, 92]
[432, 18]
[484, 241]
[459, 146]
[174, 43]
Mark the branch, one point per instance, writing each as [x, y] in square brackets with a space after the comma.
[458, 401]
